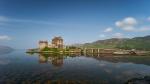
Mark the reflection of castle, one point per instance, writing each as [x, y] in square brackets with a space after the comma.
[57, 42]
[54, 60]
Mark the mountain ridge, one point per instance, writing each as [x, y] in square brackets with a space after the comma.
[139, 43]
[5, 49]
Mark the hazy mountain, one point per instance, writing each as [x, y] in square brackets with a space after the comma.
[5, 49]
[140, 43]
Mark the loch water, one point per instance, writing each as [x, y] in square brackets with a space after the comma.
[19, 67]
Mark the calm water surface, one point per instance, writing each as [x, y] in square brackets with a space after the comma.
[21, 68]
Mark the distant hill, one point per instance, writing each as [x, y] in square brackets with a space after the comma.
[139, 43]
[5, 49]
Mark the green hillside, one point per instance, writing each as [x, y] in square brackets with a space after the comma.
[139, 43]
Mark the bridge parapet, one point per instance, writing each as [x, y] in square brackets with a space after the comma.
[98, 50]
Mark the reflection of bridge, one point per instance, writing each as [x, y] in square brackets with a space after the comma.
[98, 51]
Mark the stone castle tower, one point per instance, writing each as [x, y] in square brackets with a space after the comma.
[57, 42]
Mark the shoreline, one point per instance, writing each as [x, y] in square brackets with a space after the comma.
[115, 53]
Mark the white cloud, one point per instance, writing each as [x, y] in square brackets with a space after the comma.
[109, 29]
[148, 18]
[118, 35]
[4, 37]
[2, 18]
[143, 29]
[127, 24]
[102, 36]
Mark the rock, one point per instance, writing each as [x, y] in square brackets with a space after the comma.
[143, 80]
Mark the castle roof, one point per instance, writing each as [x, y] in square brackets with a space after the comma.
[43, 41]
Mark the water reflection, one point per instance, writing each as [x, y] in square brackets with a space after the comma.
[19, 66]
[56, 60]
[110, 68]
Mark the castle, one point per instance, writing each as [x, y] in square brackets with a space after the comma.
[57, 42]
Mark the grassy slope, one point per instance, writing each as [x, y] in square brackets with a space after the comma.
[139, 43]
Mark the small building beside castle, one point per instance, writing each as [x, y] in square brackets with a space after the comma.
[57, 42]
[43, 44]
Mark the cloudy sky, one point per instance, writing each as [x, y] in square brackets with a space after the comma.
[24, 22]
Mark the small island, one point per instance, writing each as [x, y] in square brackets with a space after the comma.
[57, 46]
